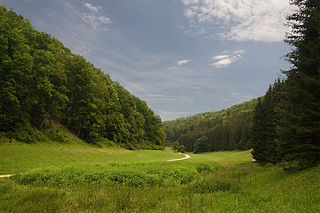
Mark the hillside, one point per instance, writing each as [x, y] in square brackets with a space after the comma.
[43, 82]
[228, 129]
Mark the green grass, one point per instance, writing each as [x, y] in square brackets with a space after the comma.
[225, 157]
[139, 174]
[21, 157]
[237, 186]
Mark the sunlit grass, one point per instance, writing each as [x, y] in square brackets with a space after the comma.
[20, 157]
[244, 188]
[223, 157]
[237, 186]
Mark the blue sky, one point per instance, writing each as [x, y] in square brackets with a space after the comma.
[181, 56]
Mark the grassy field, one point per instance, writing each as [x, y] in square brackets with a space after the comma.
[83, 178]
[224, 158]
[21, 157]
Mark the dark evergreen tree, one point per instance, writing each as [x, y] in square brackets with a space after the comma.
[266, 118]
[259, 152]
[299, 126]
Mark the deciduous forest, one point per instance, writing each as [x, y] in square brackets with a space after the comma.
[43, 82]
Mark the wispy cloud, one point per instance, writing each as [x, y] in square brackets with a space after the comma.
[226, 59]
[183, 62]
[92, 8]
[93, 16]
[239, 20]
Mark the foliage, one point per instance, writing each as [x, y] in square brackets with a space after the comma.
[43, 82]
[228, 129]
[299, 112]
[286, 124]
[142, 174]
[201, 145]
[266, 119]
[176, 146]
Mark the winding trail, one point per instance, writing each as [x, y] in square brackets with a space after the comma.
[186, 157]
[6, 176]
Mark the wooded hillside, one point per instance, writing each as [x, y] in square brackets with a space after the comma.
[44, 82]
[228, 129]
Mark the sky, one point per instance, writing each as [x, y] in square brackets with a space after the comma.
[182, 57]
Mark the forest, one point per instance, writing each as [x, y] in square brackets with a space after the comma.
[228, 129]
[283, 126]
[44, 84]
[286, 127]
[73, 140]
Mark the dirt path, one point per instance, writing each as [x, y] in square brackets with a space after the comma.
[6, 176]
[186, 157]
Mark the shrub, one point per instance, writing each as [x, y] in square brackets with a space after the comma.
[140, 174]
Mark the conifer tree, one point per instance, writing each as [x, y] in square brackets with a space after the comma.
[299, 126]
[266, 119]
[258, 133]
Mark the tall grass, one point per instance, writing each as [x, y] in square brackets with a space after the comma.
[242, 188]
[83, 178]
[141, 174]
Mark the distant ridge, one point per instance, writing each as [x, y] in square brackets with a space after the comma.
[227, 129]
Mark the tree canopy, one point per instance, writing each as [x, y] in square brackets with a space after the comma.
[43, 82]
[228, 129]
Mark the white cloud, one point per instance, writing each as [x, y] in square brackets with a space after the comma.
[239, 20]
[183, 62]
[220, 57]
[92, 8]
[222, 63]
[93, 16]
[226, 59]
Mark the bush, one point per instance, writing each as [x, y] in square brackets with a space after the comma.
[26, 134]
[214, 183]
[182, 149]
[178, 148]
[151, 174]
[201, 145]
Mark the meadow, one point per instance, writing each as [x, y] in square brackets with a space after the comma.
[21, 157]
[83, 178]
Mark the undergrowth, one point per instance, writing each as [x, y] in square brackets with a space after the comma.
[139, 174]
[241, 188]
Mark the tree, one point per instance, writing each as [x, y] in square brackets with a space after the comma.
[266, 118]
[298, 129]
[201, 145]
[176, 145]
[258, 134]
[42, 81]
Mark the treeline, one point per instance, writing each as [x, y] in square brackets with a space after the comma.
[286, 126]
[228, 129]
[43, 82]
